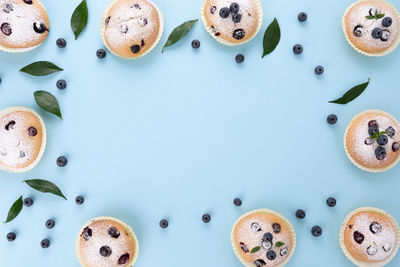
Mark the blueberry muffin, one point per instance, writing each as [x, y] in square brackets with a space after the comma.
[372, 27]
[232, 22]
[369, 237]
[372, 141]
[22, 139]
[106, 242]
[263, 238]
[131, 28]
[24, 25]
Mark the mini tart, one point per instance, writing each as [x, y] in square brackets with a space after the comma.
[359, 21]
[239, 27]
[369, 237]
[24, 25]
[131, 29]
[363, 150]
[22, 139]
[253, 230]
[106, 242]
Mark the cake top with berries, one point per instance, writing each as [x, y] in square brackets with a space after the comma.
[372, 26]
[263, 238]
[23, 23]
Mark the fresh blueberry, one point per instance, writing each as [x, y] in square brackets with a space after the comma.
[0, 80]
[332, 119]
[239, 58]
[61, 43]
[373, 130]
[259, 263]
[383, 140]
[32, 131]
[237, 202]
[113, 232]
[380, 153]
[316, 231]
[206, 218]
[11, 237]
[271, 255]
[213, 9]
[62, 161]
[195, 44]
[28, 202]
[39, 27]
[358, 237]
[375, 228]
[373, 123]
[61, 84]
[87, 233]
[79, 200]
[276, 227]
[387, 22]
[319, 70]
[6, 29]
[331, 202]
[236, 18]
[234, 8]
[135, 49]
[239, 34]
[164, 223]
[29, 2]
[267, 237]
[302, 16]
[298, 49]
[224, 12]
[45, 243]
[395, 146]
[50, 224]
[301, 214]
[105, 251]
[390, 131]
[123, 259]
[359, 31]
[101, 53]
[377, 33]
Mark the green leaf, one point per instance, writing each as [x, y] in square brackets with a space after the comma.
[255, 249]
[352, 94]
[272, 36]
[376, 136]
[45, 187]
[14, 210]
[279, 244]
[79, 18]
[48, 102]
[379, 16]
[40, 68]
[178, 33]
[369, 17]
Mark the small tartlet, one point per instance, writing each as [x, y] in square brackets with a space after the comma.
[22, 139]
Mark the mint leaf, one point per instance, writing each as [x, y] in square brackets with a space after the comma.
[178, 33]
[351, 94]
[279, 244]
[40, 68]
[45, 187]
[379, 16]
[14, 210]
[79, 18]
[369, 17]
[272, 36]
[48, 102]
[255, 249]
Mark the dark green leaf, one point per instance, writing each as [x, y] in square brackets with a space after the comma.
[255, 249]
[376, 136]
[369, 17]
[40, 68]
[179, 32]
[380, 16]
[352, 94]
[14, 210]
[48, 102]
[279, 244]
[272, 36]
[79, 18]
[45, 187]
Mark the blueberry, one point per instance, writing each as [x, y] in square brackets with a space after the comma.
[373, 130]
[359, 31]
[113, 232]
[195, 44]
[385, 35]
[373, 123]
[45, 243]
[0, 80]
[375, 228]
[301, 214]
[377, 33]
[383, 140]
[6, 29]
[206, 218]
[298, 49]
[87, 233]
[101, 53]
[61, 43]
[332, 119]
[260, 262]
[358, 237]
[390, 131]
[380, 153]
[316, 231]
[302, 16]
[244, 247]
[236, 18]
[11, 237]
[224, 12]
[62, 161]
[237, 202]
[41, 28]
[28, 202]
[123, 259]
[238, 34]
[395, 146]
[331, 202]
[79, 200]
[8, 8]
[319, 70]
[213, 9]
[164, 223]
[50, 224]
[239, 58]
[105, 251]
[29, 2]
[267, 237]
[271, 255]
[234, 8]
[61, 84]
[10, 125]
[372, 250]
[135, 49]
[276, 227]
[32, 131]
[387, 22]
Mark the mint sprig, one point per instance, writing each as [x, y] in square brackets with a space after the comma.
[255, 249]
[376, 16]
[376, 136]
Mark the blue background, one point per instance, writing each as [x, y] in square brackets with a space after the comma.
[182, 133]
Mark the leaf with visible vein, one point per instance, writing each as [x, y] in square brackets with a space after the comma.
[352, 94]
[279, 244]
[178, 33]
[40, 68]
[45, 187]
[48, 102]
[255, 249]
[14, 210]
[79, 18]
[272, 36]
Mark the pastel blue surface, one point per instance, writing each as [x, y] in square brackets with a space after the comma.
[182, 133]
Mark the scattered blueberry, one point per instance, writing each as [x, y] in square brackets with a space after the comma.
[390, 131]
[358, 237]
[113, 232]
[236, 18]
[395, 146]
[260, 262]
[301, 214]
[0, 80]
[387, 22]
[238, 34]
[101, 53]
[11, 237]
[373, 123]
[377, 33]
[332, 119]
[32, 131]
[237, 202]
[271, 255]
[164, 223]
[298, 49]
[375, 228]
[206, 218]
[61, 84]
[39, 29]
[267, 237]
[373, 130]
[45, 243]
[29, 2]
[276, 227]
[380, 153]
[79, 200]
[239, 58]
[302, 16]
[28, 202]
[105, 251]
[234, 8]
[319, 70]
[61, 43]
[359, 31]
[123, 259]
[195, 44]
[331, 202]
[383, 140]
[316, 231]
[50, 224]
[224, 12]
[135, 49]
[62, 161]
